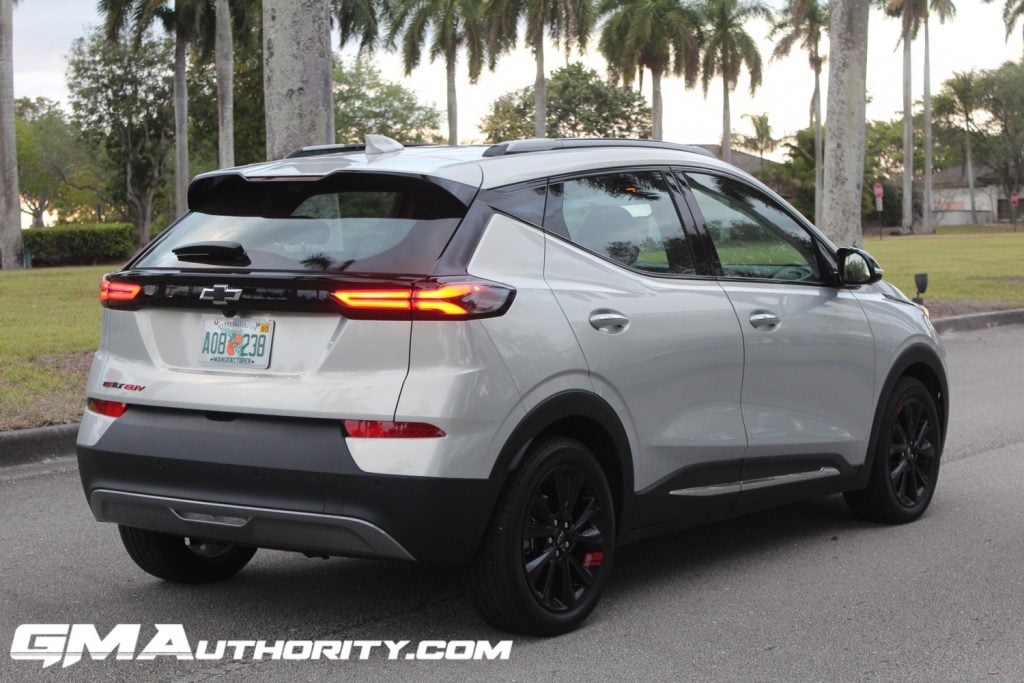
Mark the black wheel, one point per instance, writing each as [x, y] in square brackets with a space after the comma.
[548, 552]
[184, 560]
[905, 469]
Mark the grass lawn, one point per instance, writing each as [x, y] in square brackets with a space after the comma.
[49, 327]
[50, 317]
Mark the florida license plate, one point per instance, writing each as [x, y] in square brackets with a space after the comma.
[227, 342]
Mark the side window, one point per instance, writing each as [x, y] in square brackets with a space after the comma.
[525, 203]
[627, 217]
[752, 236]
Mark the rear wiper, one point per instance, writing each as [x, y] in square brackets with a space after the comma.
[213, 252]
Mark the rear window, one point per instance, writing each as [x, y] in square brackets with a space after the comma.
[359, 223]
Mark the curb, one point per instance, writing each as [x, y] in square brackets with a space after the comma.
[979, 321]
[21, 446]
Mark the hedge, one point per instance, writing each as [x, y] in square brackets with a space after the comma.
[79, 244]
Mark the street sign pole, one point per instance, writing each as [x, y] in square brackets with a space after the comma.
[879, 191]
[1014, 201]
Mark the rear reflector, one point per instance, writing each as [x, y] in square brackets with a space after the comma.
[108, 408]
[373, 429]
[463, 299]
[118, 291]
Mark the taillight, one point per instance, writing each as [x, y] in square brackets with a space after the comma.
[108, 408]
[117, 291]
[374, 429]
[462, 299]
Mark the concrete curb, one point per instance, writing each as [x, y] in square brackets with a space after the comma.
[22, 446]
[979, 321]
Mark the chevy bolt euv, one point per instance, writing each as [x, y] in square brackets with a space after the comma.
[515, 358]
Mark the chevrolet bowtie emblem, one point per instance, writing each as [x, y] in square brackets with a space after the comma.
[220, 294]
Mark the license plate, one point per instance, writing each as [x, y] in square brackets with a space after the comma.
[226, 342]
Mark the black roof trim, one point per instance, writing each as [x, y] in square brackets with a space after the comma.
[551, 144]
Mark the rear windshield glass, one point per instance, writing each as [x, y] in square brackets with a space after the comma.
[361, 223]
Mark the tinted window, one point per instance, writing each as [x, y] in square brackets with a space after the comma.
[627, 217]
[375, 224]
[525, 203]
[753, 237]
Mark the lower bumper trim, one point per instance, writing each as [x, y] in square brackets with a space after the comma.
[253, 526]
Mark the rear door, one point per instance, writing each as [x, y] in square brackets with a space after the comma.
[659, 335]
[809, 352]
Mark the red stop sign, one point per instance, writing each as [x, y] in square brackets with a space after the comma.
[879, 190]
[1014, 198]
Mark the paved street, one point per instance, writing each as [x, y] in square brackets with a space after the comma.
[802, 593]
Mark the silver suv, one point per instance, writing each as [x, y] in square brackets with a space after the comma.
[516, 358]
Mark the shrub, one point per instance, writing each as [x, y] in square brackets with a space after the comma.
[79, 244]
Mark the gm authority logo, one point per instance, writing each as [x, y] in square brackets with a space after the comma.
[69, 643]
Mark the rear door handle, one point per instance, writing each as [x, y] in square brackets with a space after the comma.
[763, 320]
[609, 322]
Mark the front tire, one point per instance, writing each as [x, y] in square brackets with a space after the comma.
[549, 549]
[905, 468]
[183, 560]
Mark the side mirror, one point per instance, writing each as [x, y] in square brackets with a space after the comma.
[857, 267]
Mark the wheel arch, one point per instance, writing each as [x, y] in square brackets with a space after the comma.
[923, 363]
[589, 419]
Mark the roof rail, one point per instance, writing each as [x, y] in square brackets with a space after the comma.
[550, 144]
[375, 144]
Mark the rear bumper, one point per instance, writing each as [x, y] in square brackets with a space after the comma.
[281, 483]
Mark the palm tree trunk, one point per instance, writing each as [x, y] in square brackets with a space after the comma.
[726, 123]
[181, 177]
[540, 90]
[970, 181]
[297, 75]
[224, 63]
[819, 166]
[927, 221]
[657, 106]
[908, 142]
[847, 87]
[10, 198]
[453, 108]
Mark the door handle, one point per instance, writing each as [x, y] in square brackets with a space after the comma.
[763, 320]
[609, 322]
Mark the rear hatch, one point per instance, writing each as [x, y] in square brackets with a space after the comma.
[251, 303]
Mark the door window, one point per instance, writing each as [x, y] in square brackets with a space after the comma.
[753, 237]
[629, 218]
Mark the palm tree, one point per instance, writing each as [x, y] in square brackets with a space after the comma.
[224, 65]
[568, 22]
[660, 35]
[360, 20]
[728, 48]
[844, 135]
[910, 13]
[959, 100]
[761, 141]
[1013, 10]
[297, 73]
[181, 19]
[944, 9]
[10, 198]
[804, 22]
[451, 25]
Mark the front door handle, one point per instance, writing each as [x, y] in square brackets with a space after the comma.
[763, 320]
[609, 322]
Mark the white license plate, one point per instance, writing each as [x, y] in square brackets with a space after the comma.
[231, 343]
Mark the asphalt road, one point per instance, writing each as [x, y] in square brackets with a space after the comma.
[802, 593]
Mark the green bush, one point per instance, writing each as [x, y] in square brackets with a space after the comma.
[65, 245]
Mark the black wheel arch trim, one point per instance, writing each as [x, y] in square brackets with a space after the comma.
[576, 405]
[917, 354]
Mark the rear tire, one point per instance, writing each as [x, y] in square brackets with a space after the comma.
[549, 549]
[181, 560]
[905, 468]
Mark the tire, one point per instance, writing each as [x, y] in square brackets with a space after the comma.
[548, 551]
[181, 560]
[904, 471]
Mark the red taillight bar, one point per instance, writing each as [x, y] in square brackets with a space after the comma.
[428, 300]
[108, 408]
[375, 429]
[117, 291]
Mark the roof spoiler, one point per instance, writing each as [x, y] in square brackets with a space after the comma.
[375, 144]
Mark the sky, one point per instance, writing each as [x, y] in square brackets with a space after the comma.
[44, 30]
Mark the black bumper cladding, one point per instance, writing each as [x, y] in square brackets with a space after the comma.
[284, 483]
